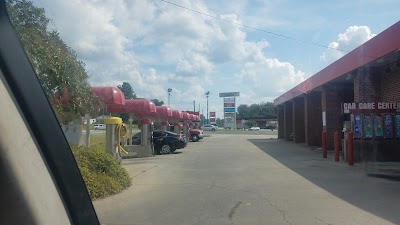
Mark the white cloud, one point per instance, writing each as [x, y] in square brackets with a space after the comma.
[353, 37]
[155, 46]
[268, 77]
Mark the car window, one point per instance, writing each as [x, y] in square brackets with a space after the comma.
[320, 78]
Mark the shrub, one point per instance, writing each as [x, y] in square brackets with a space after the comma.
[102, 174]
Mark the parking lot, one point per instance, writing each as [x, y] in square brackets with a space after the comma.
[249, 178]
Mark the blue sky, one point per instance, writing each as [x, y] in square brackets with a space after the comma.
[155, 45]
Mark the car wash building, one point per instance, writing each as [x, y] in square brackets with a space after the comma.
[360, 93]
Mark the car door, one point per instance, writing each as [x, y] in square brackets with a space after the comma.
[41, 183]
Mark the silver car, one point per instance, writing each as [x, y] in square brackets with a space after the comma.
[209, 127]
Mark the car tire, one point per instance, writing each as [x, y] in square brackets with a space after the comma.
[195, 138]
[165, 149]
[213, 130]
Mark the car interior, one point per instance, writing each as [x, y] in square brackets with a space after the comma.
[41, 183]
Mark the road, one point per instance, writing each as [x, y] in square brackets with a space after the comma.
[249, 179]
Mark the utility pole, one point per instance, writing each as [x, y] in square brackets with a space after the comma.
[169, 95]
[194, 105]
[207, 94]
[199, 107]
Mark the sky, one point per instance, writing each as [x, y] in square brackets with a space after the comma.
[260, 48]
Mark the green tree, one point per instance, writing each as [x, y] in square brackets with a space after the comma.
[219, 122]
[262, 110]
[157, 102]
[55, 64]
[127, 89]
[243, 111]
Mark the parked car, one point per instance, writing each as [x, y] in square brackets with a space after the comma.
[99, 127]
[196, 134]
[210, 127]
[254, 128]
[164, 142]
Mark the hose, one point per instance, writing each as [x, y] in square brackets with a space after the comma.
[121, 132]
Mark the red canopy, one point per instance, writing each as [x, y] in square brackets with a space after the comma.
[163, 112]
[109, 95]
[177, 115]
[186, 116]
[139, 107]
[196, 118]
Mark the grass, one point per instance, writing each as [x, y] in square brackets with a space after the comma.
[98, 140]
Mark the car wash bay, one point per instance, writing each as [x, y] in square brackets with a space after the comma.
[357, 93]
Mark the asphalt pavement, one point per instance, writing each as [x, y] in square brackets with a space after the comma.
[249, 179]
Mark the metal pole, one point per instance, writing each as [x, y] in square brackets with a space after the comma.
[350, 148]
[87, 115]
[207, 109]
[169, 97]
[336, 143]
[130, 129]
[324, 151]
[194, 106]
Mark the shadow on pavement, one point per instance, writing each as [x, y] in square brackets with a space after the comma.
[361, 185]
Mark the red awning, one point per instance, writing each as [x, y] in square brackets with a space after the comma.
[196, 118]
[109, 95]
[139, 108]
[177, 115]
[186, 116]
[163, 112]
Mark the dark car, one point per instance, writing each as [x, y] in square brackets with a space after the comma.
[164, 142]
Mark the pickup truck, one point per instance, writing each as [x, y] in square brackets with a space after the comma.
[196, 134]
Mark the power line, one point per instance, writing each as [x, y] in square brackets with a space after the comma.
[255, 28]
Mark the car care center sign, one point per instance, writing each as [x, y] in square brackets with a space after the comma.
[370, 107]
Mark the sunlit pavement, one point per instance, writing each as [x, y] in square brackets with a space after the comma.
[229, 179]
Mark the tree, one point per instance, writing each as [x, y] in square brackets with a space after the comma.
[262, 110]
[243, 111]
[127, 89]
[55, 63]
[219, 122]
[157, 102]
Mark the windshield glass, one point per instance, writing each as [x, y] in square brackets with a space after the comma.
[299, 101]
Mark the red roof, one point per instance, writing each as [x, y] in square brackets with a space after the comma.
[380, 45]
[139, 107]
[177, 115]
[163, 112]
[109, 95]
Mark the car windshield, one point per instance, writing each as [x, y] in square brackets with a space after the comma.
[299, 101]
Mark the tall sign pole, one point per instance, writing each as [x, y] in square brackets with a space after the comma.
[207, 94]
[229, 99]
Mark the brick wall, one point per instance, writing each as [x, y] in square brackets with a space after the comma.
[288, 117]
[281, 123]
[330, 102]
[390, 85]
[298, 120]
[367, 86]
[313, 118]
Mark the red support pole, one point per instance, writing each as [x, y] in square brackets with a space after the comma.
[324, 151]
[350, 148]
[336, 147]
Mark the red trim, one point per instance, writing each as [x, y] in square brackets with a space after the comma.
[177, 124]
[380, 45]
[165, 123]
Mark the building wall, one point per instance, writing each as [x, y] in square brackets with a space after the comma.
[281, 123]
[367, 86]
[298, 120]
[390, 85]
[378, 84]
[313, 118]
[288, 119]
